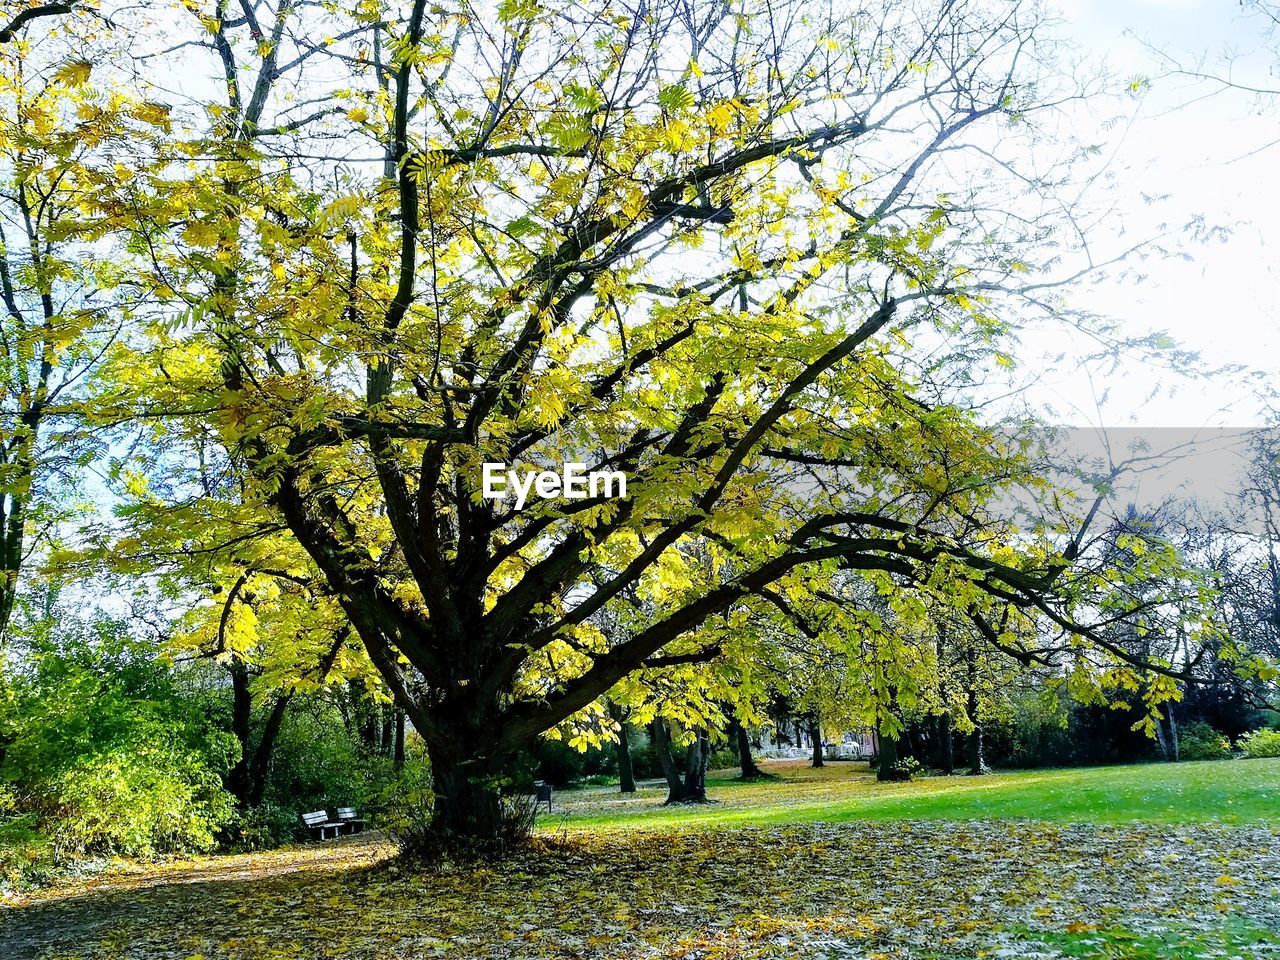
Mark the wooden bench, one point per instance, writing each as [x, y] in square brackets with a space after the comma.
[320, 826]
[349, 821]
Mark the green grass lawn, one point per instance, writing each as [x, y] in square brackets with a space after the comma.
[1226, 792]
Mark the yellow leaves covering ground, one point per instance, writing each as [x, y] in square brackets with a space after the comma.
[928, 889]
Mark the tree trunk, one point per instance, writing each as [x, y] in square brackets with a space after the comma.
[1163, 742]
[626, 775]
[1173, 736]
[467, 814]
[695, 772]
[977, 753]
[661, 737]
[387, 744]
[364, 713]
[398, 753]
[242, 730]
[948, 748]
[888, 757]
[261, 766]
[747, 762]
[977, 750]
[473, 812]
[815, 737]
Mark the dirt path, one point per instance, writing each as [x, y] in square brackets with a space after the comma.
[74, 915]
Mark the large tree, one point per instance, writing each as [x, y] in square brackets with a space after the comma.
[746, 253]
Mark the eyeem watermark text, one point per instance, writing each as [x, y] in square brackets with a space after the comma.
[573, 482]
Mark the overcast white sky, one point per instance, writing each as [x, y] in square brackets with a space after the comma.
[1210, 156]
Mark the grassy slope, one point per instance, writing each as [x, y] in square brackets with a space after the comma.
[1231, 792]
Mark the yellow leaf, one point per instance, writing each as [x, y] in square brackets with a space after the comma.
[75, 73]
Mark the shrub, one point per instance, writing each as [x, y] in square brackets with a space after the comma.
[403, 808]
[724, 759]
[404, 811]
[25, 853]
[262, 827]
[563, 766]
[106, 757]
[1261, 743]
[903, 770]
[316, 764]
[144, 798]
[1199, 741]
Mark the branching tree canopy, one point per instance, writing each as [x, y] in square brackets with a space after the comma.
[748, 254]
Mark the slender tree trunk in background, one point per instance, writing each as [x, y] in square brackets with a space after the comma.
[745, 760]
[387, 739]
[261, 766]
[977, 750]
[948, 748]
[799, 735]
[977, 753]
[241, 729]
[365, 716]
[626, 774]
[398, 753]
[815, 738]
[1173, 735]
[1163, 742]
[247, 779]
[626, 771]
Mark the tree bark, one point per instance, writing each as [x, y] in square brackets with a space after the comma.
[467, 814]
[398, 753]
[387, 738]
[977, 753]
[815, 737]
[626, 774]
[695, 774]
[750, 771]
[888, 757]
[661, 737]
[977, 750]
[242, 730]
[261, 766]
[247, 779]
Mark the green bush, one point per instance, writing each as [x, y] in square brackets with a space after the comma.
[106, 756]
[25, 853]
[1261, 743]
[142, 798]
[905, 769]
[317, 764]
[1199, 741]
[723, 759]
[561, 765]
[261, 828]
